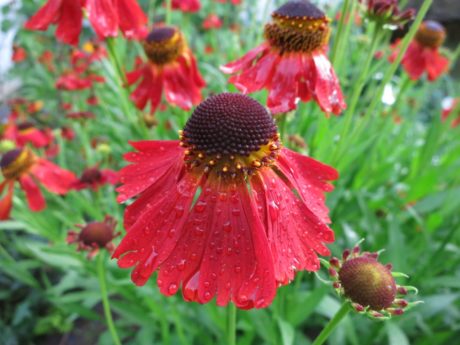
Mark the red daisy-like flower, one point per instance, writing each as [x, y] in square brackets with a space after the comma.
[212, 21]
[94, 178]
[423, 54]
[387, 12]
[186, 5]
[216, 212]
[19, 54]
[105, 16]
[291, 64]
[23, 166]
[95, 236]
[171, 67]
[26, 132]
[72, 80]
[449, 105]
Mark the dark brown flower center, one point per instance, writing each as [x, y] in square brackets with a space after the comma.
[91, 175]
[367, 282]
[431, 34]
[231, 134]
[98, 233]
[164, 45]
[16, 162]
[298, 27]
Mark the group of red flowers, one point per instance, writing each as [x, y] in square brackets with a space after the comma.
[226, 211]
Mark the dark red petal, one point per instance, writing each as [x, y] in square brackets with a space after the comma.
[244, 62]
[110, 176]
[152, 161]
[294, 232]
[186, 5]
[7, 201]
[70, 22]
[133, 76]
[103, 16]
[283, 85]
[161, 213]
[178, 87]
[222, 252]
[150, 83]
[131, 18]
[327, 91]
[257, 76]
[310, 178]
[45, 16]
[413, 61]
[53, 177]
[305, 79]
[33, 193]
[34, 136]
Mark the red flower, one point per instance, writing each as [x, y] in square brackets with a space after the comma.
[292, 63]
[94, 178]
[68, 133]
[216, 213]
[23, 166]
[75, 81]
[27, 133]
[212, 22]
[19, 54]
[105, 16]
[387, 12]
[234, 2]
[423, 53]
[448, 107]
[46, 59]
[186, 5]
[171, 67]
[94, 236]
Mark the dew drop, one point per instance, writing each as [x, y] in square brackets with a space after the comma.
[181, 265]
[172, 288]
[227, 226]
[200, 206]
[207, 295]
[236, 211]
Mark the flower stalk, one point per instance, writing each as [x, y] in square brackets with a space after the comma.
[231, 324]
[333, 323]
[105, 299]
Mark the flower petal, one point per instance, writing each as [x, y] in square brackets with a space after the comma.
[70, 22]
[33, 193]
[244, 62]
[103, 17]
[53, 177]
[131, 18]
[45, 16]
[7, 201]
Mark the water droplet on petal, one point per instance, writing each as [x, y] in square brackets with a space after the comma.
[172, 288]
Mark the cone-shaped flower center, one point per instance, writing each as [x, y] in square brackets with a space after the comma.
[98, 233]
[164, 45]
[25, 127]
[231, 135]
[298, 27]
[367, 282]
[91, 175]
[431, 34]
[16, 162]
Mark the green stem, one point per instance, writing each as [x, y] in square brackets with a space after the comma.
[231, 324]
[105, 298]
[340, 31]
[394, 66]
[406, 82]
[455, 57]
[168, 11]
[114, 59]
[332, 324]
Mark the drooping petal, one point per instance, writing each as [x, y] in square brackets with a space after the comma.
[161, 212]
[413, 61]
[149, 89]
[283, 85]
[70, 22]
[257, 76]
[53, 177]
[103, 17]
[7, 201]
[310, 178]
[327, 91]
[294, 232]
[152, 161]
[132, 19]
[244, 62]
[186, 5]
[45, 16]
[436, 64]
[33, 193]
[222, 252]
[177, 87]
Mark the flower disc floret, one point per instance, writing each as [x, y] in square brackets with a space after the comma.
[164, 45]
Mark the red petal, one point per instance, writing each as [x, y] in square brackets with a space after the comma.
[53, 177]
[161, 212]
[294, 232]
[179, 86]
[70, 22]
[310, 178]
[131, 18]
[245, 62]
[327, 91]
[435, 63]
[413, 61]
[103, 17]
[33, 193]
[258, 76]
[186, 5]
[305, 79]
[222, 252]
[283, 85]
[150, 164]
[7, 201]
[45, 16]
